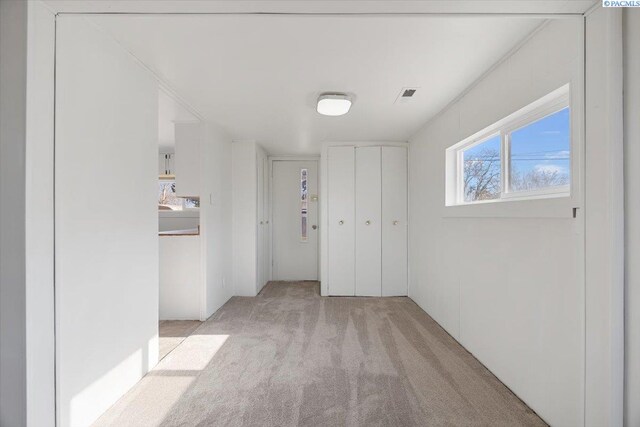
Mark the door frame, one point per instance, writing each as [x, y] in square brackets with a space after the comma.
[271, 160]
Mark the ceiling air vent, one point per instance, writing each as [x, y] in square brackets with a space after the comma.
[406, 95]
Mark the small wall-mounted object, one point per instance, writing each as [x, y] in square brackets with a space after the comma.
[166, 165]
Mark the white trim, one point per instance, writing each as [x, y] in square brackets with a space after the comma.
[604, 220]
[528, 8]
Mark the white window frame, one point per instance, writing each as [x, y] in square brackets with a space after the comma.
[547, 105]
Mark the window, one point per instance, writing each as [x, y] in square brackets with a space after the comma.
[525, 155]
[168, 200]
[303, 205]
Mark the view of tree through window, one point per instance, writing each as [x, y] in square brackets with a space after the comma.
[167, 198]
[482, 170]
[539, 153]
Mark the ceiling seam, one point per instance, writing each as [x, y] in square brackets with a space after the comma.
[477, 81]
[163, 84]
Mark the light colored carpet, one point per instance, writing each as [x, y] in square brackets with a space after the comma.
[290, 357]
[173, 332]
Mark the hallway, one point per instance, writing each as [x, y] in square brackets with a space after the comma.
[291, 357]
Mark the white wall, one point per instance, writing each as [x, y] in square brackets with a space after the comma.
[244, 218]
[506, 281]
[181, 279]
[216, 219]
[39, 217]
[188, 158]
[631, 22]
[13, 121]
[106, 221]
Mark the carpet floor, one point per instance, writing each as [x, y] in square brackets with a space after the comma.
[172, 333]
[290, 357]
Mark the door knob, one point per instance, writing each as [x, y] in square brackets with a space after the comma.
[367, 222]
[395, 222]
[341, 222]
[261, 222]
[314, 226]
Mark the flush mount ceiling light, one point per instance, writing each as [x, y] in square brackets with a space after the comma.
[334, 104]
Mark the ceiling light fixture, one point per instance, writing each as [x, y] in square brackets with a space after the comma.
[334, 104]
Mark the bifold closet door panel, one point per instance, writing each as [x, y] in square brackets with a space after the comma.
[368, 221]
[394, 221]
[341, 220]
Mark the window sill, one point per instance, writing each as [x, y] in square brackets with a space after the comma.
[548, 207]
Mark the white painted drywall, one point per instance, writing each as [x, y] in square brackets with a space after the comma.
[106, 221]
[13, 121]
[39, 217]
[604, 220]
[631, 43]
[244, 218]
[188, 155]
[509, 289]
[216, 219]
[180, 277]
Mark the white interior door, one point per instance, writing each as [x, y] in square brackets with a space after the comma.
[266, 235]
[368, 221]
[260, 226]
[295, 220]
[394, 221]
[341, 221]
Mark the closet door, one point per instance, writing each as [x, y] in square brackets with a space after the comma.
[394, 221]
[341, 220]
[368, 221]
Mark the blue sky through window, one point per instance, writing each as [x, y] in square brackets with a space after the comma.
[480, 151]
[541, 149]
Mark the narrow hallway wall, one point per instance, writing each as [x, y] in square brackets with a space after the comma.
[106, 221]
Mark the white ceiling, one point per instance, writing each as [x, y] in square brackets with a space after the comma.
[258, 76]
